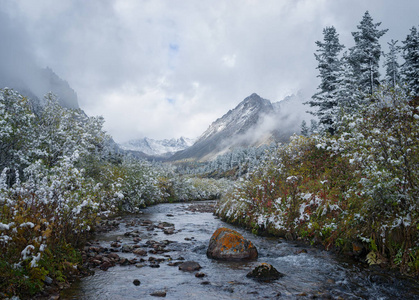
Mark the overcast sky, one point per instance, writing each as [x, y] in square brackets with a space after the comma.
[168, 68]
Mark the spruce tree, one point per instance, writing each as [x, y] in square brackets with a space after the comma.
[365, 55]
[304, 128]
[392, 66]
[348, 93]
[328, 65]
[410, 68]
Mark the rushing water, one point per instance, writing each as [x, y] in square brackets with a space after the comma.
[309, 274]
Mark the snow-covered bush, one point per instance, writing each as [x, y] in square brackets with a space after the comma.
[48, 202]
[360, 185]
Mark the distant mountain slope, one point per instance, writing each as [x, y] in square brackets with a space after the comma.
[152, 147]
[238, 127]
[37, 83]
[254, 122]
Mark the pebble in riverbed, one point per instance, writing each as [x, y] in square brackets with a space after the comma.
[158, 294]
[136, 282]
[189, 266]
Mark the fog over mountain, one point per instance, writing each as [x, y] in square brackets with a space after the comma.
[252, 123]
[170, 68]
[20, 71]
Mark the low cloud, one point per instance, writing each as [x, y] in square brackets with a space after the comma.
[126, 58]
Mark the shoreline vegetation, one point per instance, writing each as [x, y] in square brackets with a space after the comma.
[356, 191]
[58, 179]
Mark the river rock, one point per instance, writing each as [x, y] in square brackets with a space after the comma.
[127, 248]
[140, 252]
[136, 282]
[228, 244]
[189, 266]
[158, 294]
[264, 272]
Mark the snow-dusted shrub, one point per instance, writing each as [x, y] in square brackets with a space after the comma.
[360, 185]
[141, 184]
[48, 203]
[382, 142]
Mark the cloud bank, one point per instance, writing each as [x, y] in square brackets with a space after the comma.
[166, 69]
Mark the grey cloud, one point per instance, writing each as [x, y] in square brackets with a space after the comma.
[125, 58]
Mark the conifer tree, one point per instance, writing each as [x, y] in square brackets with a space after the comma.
[329, 66]
[410, 68]
[304, 128]
[365, 55]
[348, 92]
[392, 66]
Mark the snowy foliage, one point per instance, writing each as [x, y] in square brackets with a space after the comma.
[360, 185]
[238, 162]
[365, 55]
[329, 68]
[410, 69]
[58, 179]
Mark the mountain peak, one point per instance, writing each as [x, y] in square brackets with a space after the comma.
[255, 100]
[231, 130]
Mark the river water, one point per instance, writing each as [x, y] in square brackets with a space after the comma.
[310, 273]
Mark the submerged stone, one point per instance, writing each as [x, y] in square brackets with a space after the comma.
[228, 244]
[189, 266]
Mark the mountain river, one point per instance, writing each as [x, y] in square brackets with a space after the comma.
[310, 273]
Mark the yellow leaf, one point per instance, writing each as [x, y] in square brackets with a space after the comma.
[47, 233]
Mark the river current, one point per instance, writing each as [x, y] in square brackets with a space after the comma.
[310, 273]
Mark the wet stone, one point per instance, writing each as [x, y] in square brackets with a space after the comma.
[169, 230]
[228, 244]
[115, 244]
[140, 252]
[264, 272]
[136, 282]
[158, 294]
[200, 275]
[123, 261]
[106, 265]
[190, 266]
[126, 248]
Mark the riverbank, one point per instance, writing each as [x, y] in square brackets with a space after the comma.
[309, 272]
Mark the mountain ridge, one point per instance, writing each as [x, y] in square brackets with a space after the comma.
[233, 129]
[159, 148]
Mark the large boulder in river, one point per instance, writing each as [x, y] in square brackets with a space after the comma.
[228, 244]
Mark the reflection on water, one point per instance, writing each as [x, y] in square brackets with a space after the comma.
[315, 274]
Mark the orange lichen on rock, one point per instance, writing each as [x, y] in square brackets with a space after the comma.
[228, 244]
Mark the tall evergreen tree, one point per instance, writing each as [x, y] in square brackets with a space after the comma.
[348, 92]
[304, 128]
[392, 66]
[410, 68]
[328, 65]
[365, 55]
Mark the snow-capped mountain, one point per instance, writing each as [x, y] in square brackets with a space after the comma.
[153, 147]
[254, 122]
[236, 128]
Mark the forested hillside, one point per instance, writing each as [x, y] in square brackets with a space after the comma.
[354, 185]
